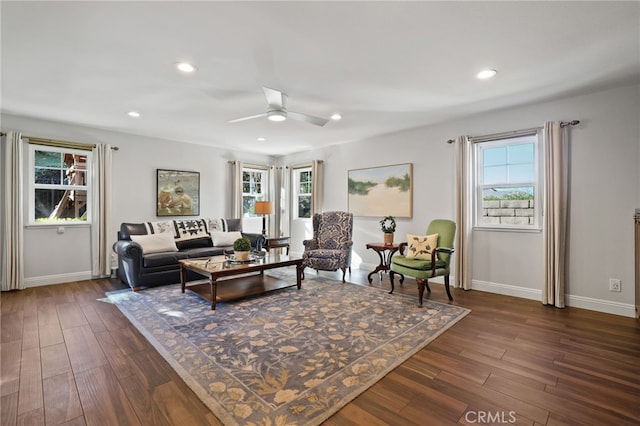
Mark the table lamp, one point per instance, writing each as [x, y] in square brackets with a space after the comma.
[264, 208]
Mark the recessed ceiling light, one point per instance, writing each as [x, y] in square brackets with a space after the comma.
[135, 114]
[261, 138]
[484, 74]
[185, 67]
[336, 117]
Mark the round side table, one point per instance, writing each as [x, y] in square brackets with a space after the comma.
[385, 253]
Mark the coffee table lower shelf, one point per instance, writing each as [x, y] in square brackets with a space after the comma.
[237, 288]
[228, 281]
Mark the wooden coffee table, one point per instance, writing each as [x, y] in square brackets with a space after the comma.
[236, 280]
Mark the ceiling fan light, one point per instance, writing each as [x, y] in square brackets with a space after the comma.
[276, 115]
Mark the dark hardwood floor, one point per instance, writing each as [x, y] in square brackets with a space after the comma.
[69, 359]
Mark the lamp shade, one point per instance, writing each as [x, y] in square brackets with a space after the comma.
[264, 207]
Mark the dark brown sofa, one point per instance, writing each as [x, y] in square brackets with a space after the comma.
[193, 238]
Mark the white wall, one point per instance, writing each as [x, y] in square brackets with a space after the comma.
[605, 190]
[54, 258]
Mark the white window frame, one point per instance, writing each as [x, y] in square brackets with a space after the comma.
[258, 196]
[32, 185]
[297, 173]
[479, 186]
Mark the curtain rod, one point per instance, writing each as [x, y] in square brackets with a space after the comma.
[517, 132]
[63, 144]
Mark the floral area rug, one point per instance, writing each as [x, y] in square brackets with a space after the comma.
[289, 357]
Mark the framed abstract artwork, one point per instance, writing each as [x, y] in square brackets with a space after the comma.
[381, 191]
[178, 193]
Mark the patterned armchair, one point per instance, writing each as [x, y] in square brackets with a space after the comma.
[330, 248]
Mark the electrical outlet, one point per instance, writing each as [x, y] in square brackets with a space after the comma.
[614, 284]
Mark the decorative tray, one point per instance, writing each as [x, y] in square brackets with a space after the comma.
[252, 258]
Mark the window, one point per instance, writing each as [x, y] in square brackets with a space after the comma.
[254, 188]
[303, 188]
[59, 185]
[507, 189]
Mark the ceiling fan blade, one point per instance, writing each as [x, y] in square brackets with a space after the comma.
[307, 118]
[247, 118]
[275, 98]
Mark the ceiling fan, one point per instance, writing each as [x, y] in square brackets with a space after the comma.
[277, 110]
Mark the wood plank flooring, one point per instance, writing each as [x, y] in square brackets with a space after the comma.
[69, 359]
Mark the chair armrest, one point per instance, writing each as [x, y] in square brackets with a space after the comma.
[446, 250]
[401, 248]
[128, 249]
[347, 245]
[310, 244]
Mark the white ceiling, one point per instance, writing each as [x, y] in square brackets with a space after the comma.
[385, 66]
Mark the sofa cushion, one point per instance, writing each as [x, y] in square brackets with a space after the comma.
[224, 239]
[155, 260]
[155, 243]
[194, 243]
[205, 251]
[418, 264]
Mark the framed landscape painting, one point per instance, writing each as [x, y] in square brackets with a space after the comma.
[178, 193]
[381, 191]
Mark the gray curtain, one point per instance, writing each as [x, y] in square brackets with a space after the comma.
[236, 189]
[554, 227]
[280, 180]
[101, 210]
[317, 186]
[12, 270]
[464, 213]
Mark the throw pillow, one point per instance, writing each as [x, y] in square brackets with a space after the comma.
[421, 246]
[224, 239]
[219, 225]
[189, 229]
[160, 227]
[155, 243]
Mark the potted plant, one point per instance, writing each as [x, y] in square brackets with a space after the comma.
[241, 248]
[388, 226]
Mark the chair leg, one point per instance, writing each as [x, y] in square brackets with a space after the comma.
[446, 286]
[344, 272]
[421, 285]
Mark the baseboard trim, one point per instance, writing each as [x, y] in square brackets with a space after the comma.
[598, 305]
[507, 290]
[606, 306]
[57, 279]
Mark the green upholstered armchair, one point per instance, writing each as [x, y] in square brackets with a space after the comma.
[423, 269]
